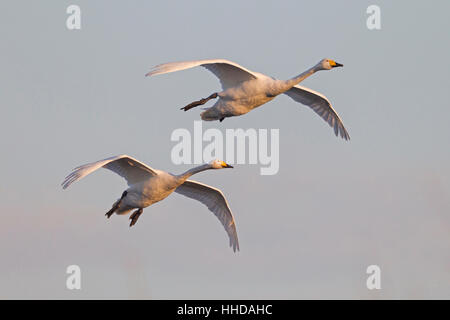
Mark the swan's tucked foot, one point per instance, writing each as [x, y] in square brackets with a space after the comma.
[135, 216]
[199, 102]
[116, 205]
[221, 119]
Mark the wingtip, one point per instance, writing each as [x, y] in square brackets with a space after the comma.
[346, 136]
[65, 184]
[343, 133]
[235, 246]
[151, 72]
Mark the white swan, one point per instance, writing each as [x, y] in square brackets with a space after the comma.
[147, 186]
[244, 90]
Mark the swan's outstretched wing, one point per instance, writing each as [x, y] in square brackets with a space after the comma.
[229, 73]
[131, 169]
[215, 201]
[320, 104]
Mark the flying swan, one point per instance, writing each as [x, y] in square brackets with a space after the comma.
[148, 186]
[244, 90]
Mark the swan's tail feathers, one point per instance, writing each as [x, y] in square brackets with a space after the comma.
[210, 114]
[124, 210]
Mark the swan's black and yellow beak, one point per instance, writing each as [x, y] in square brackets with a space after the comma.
[226, 165]
[336, 64]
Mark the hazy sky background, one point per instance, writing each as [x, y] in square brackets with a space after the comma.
[334, 208]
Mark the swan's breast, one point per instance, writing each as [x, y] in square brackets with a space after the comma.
[251, 94]
[152, 190]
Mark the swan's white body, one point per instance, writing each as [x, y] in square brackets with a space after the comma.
[148, 186]
[244, 90]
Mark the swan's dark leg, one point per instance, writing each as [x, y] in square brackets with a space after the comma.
[135, 216]
[221, 119]
[199, 102]
[116, 205]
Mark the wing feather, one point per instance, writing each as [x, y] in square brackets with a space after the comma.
[125, 166]
[215, 201]
[319, 104]
[229, 73]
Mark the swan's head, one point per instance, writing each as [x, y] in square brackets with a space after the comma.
[328, 64]
[219, 164]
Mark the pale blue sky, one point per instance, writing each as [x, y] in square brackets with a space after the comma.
[335, 207]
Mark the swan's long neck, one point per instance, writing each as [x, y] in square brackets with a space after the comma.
[193, 171]
[302, 76]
